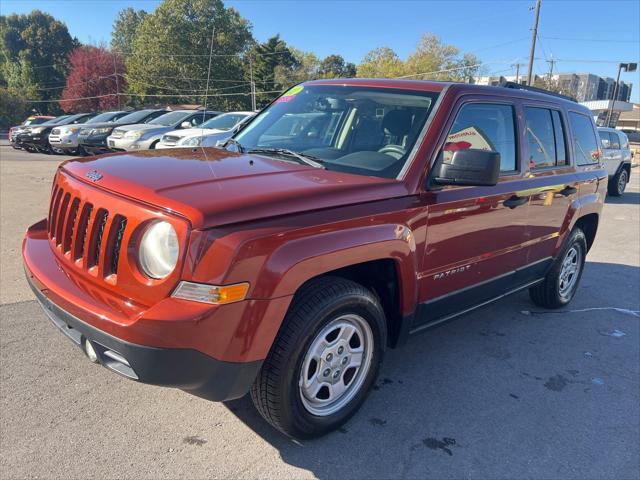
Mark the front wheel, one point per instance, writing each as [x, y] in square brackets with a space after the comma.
[324, 360]
[561, 283]
[618, 183]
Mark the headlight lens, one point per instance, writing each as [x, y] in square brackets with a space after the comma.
[103, 130]
[37, 129]
[158, 253]
[134, 135]
[193, 141]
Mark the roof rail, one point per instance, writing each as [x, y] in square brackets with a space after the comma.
[518, 86]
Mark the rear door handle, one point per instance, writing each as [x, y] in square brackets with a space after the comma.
[515, 201]
[566, 191]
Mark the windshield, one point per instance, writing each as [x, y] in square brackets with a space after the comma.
[56, 120]
[226, 121]
[106, 117]
[135, 117]
[361, 130]
[169, 119]
[35, 121]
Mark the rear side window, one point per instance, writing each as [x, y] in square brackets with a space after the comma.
[545, 134]
[584, 139]
[484, 126]
[624, 141]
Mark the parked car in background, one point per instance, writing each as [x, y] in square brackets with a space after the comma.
[616, 159]
[147, 136]
[64, 139]
[93, 138]
[221, 127]
[286, 266]
[32, 120]
[36, 139]
[634, 140]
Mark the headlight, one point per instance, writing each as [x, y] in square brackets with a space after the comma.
[136, 134]
[102, 130]
[37, 129]
[158, 253]
[192, 141]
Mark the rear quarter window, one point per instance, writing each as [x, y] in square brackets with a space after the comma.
[585, 142]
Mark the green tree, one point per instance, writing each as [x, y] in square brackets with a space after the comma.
[262, 62]
[381, 62]
[306, 68]
[125, 27]
[13, 108]
[334, 66]
[170, 54]
[34, 49]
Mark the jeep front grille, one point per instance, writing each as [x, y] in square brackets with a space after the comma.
[89, 236]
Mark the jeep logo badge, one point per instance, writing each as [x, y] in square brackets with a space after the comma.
[94, 175]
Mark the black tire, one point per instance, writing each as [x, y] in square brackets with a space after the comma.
[276, 392]
[547, 294]
[618, 183]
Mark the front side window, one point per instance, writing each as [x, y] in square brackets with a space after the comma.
[584, 139]
[484, 126]
[199, 118]
[346, 128]
[226, 121]
[546, 138]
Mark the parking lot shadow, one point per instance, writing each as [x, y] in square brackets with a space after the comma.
[627, 198]
[507, 391]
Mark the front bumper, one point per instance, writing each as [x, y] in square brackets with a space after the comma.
[129, 144]
[38, 141]
[185, 369]
[211, 351]
[65, 142]
[94, 144]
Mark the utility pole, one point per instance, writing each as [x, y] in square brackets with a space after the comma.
[551, 63]
[115, 73]
[253, 85]
[517, 65]
[534, 36]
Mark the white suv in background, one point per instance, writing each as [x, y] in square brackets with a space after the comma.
[617, 159]
[207, 134]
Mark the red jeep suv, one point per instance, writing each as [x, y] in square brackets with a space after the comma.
[345, 217]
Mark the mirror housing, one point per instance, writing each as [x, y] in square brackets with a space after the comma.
[471, 167]
[185, 125]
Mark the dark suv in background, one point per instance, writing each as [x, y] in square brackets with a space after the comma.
[37, 138]
[93, 139]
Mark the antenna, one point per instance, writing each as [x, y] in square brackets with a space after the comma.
[206, 92]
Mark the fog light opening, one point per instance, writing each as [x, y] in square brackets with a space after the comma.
[90, 351]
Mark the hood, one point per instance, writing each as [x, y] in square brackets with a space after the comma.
[99, 125]
[141, 126]
[213, 187]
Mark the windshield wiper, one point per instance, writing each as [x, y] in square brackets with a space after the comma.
[304, 158]
[233, 141]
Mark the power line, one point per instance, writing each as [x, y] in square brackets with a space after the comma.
[597, 40]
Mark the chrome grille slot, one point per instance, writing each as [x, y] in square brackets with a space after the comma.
[82, 230]
[70, 225]
[97, 231]
[62, 215]
[118, 227]
[54, 214]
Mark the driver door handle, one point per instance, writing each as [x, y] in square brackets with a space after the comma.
[566, 191]
[515, 201]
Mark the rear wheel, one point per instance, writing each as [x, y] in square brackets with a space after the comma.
[325, 359]
[561, 283]
[618, 183]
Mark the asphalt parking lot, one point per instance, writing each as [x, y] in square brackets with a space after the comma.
[508, 391]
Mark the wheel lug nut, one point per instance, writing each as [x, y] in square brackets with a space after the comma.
[345, 360]
[340, 350]
[336, 374]
[326, 372]
[329, 357]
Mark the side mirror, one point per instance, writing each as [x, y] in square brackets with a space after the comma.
[605, 143]
[469, 167]
[185, 125]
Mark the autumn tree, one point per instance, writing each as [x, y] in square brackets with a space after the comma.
[125, 28]
[33, 55]
[95, 80]
[170, 54]
[334, 66]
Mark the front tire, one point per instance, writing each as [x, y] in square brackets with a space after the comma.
[324, 360]
[618, 183]
[561, 283]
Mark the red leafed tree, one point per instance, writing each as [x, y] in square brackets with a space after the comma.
[95, 80]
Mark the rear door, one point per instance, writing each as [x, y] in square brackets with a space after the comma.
[475, 236]
[553, 181]
[611, 153]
